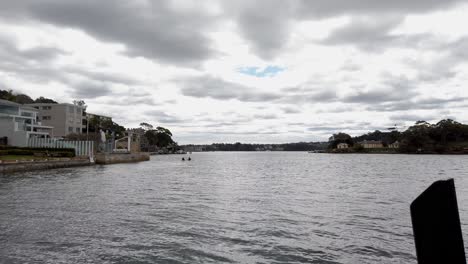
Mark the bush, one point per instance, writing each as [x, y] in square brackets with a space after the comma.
[68, 152]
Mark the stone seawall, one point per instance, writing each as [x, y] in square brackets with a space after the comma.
[41, 165]
[113, 158]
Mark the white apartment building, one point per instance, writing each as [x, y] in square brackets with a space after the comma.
[19, 123]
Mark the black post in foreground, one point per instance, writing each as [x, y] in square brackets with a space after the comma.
[436, 225]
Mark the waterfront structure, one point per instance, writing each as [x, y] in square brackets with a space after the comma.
[131, 142]
[394, 145]
[65, 118]
[342, 146]
[371, 144]
[19, 123]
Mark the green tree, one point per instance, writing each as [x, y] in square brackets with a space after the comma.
[417, 138]
[23, 99]
[340, 138]
[146, 126]
[161, 137]
[7, 95]
[44, 100]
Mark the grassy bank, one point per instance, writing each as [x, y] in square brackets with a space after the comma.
[20, 157]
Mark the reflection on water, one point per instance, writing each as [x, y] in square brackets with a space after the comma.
[223, 208]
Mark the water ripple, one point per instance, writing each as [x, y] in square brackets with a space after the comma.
[223, 208]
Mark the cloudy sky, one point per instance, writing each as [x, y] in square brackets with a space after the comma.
[253, 71]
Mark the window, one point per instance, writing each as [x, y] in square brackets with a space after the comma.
[78, 130]
[71, 109]
[46, 107]
[10, 110]
[46, 118]
[70, 129]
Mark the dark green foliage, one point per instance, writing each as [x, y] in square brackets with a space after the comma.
[447, 136]
[7, 95]
[65, 152]
[161, 137]
[45, 100]
[340, 138]
[23, 98]
[106, 124]
[300, 146]
[385, 137]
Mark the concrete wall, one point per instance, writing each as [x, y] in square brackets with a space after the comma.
[6, 168]
[113, 158]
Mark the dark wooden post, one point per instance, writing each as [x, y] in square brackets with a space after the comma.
[436, 225]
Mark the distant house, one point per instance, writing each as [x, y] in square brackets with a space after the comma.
[19, 123]
[342, 146]
[394, 145]
[371, 144]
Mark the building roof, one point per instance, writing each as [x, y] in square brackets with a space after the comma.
[9, 103]
[370, 142]
[47, 104]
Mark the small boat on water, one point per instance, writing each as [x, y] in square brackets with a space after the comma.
[316, 151]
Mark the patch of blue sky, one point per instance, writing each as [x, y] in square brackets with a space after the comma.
[269, 71]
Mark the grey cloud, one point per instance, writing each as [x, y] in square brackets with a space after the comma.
[301, 95]
[290, 110]
[421, 104]
[374, 35]
[264, 23]
[129, 100]
[152, 29]
[326, 8]
[335, 109]
[210, 87]
[9, 51]
[450, 55]
[412, 117]
[365, 31]
[459, 48]
[90, 90]
[265, 116]
[116, 78]
[33, 63]
[43, 53]
[162, 32]
[390, 89]
[374, 96]
[247, 132]
[354, 128]
[232, 117]
[268, 30]
[163, 117]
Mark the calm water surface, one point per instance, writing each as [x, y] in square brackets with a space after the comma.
[223, 208]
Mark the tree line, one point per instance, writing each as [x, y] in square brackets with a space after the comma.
[23, 98]
[299, 146]
[445, 136]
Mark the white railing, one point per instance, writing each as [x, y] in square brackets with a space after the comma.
[82, 148]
